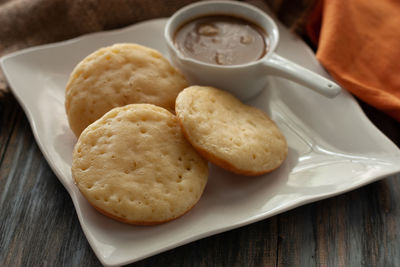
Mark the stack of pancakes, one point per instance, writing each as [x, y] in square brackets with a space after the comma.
[145, 137]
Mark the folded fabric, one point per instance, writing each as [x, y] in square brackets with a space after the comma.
[358, 42]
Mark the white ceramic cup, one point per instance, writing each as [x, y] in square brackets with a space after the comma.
[244, 80]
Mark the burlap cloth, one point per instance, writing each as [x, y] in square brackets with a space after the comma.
[26, 23]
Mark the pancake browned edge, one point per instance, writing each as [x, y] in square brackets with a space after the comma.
[135, 166]
[118, 75]
[237, 137]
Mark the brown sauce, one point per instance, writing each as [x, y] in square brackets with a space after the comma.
[222, 40]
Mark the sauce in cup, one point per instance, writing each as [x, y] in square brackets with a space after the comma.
[205, 58]
[222, 40]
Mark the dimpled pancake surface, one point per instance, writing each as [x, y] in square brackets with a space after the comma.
[118, 75]
[235, 136]
[134, 165]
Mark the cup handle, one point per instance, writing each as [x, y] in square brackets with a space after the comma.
[285, 68]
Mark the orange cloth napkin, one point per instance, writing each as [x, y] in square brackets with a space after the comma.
[358, 42]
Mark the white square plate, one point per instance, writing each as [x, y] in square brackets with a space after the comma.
[333, 147]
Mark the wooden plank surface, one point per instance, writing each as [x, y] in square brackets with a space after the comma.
[39, 226]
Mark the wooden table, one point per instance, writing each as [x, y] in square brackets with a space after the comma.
[39, 226]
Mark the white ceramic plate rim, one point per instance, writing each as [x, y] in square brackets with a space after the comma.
[367, 163]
